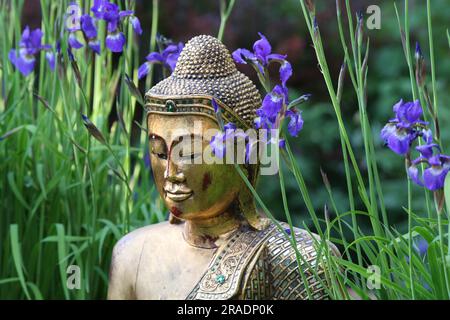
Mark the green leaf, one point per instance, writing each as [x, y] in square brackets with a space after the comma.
[61, 240]
[447, 192]
[17, 257]
[436, 270]
[15, 190]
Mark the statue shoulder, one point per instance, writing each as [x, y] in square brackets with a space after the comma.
[287, 282]
[132, 243]
[126, 258]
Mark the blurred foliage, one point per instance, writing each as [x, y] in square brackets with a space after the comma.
[317, 146]
[284, 26]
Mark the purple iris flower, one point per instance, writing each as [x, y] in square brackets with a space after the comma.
[285, 72]
[115, 41]
[105, 10]
[295, 123]
[23, 61]
[413, 173]
[438, 165]
[229, 127]
[230, 133]
[400, 133]
[30, 45]
[88, 26]
[398, 140]
[217, 144]
[426, 150]
[168, 58]
[272, 105]
[215, 105]
[422, 246]
[50, 56]
[147, 162]
[90, 32]
[407, 125]
[434, 177]
[408, 113]
[74, 26]
[260, 122]
[262, 56]
[73, 41]
[251, 147]
[98, 8]
[136, 24]
[274, 108]
[94, 45]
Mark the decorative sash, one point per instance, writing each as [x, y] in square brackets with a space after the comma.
[223, 276]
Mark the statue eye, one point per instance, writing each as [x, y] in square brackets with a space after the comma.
[192, 156]
[161, 156]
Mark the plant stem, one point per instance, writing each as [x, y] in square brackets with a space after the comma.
[225, 12]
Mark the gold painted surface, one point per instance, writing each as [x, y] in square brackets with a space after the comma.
[215, 245]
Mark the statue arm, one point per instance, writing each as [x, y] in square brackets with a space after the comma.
[124, 267]
[286, 282]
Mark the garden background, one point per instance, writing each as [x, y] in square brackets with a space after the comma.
[61, 207]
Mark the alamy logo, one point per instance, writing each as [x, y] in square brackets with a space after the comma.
[373, 280]
[73, 17]
[374, 20]
[74, 277]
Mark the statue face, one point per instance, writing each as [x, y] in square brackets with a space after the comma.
[190, 190]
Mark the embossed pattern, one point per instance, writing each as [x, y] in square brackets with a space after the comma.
[205, 67]
[260, 265]
[198, 105]
[230, 262]
[286, 281]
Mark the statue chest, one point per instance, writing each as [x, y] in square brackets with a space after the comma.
[170, 272]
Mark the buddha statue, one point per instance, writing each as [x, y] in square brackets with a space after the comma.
[215, 244]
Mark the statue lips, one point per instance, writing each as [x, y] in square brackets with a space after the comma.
[177, 193]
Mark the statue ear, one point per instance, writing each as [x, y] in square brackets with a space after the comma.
[248, 210]
[247, 201]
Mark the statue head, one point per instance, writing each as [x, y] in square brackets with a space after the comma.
[181, 117]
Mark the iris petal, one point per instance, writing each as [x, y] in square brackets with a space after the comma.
[413, 111]
[50, 56]
[136, 25]
[285, 72]
[271, 105]
[426, 150]
[434, 177]
[115, 42]
[413, 173]
[88, 26]
[23, 62]
[399, 142]
[241, 55]
[277, 57]
[125, 13]
[295, 124]
[262, 48]
[73, 41]
[95, 46]
[143, 70]
[155, 57]
[217, 144]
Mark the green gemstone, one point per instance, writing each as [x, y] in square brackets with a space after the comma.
[220, 279]
[170, 106]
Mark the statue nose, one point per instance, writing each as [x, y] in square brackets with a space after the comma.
[172, 173]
